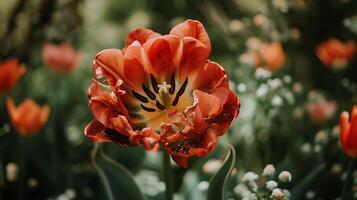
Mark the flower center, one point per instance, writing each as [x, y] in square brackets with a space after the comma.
[163, 95]
[160, 97]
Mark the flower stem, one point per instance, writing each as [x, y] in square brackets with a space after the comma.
[167, 175]
[100, 171]
[345, 190]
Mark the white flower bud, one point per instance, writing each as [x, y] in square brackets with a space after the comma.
[277, 194]
[271, 185]
[249, 177]
[285, 176]
[269, 170]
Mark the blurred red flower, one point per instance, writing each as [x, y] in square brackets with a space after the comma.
[162, 89]
[28, 118]
[10, 71]
[268, 55]
[61, 58]
[321, 110]
[336, 54]
[348, 132]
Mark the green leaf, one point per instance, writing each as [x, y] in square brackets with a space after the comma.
[217, 182]
[117, 181]
[299, 191]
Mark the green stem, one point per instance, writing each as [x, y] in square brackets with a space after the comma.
[345, 193]
[167, 176]
[100, 171]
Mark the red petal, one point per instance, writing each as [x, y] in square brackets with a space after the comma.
[181, 161]
[94, 132]
[214, 76]
[230, 111]
[135, 62]
[161, 53]
[209, 105]
[102, 105]
[194, 29]
[109, 63]
[353, 129]
[141, 35]
[206, 144]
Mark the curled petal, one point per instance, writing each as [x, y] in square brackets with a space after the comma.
[141, 35]
[214, 77]
[230, 111]
[181, 161]
[150, 139]
[200, 146]
[194, 29]
[96, 132]
[108, 63]
[209, 105]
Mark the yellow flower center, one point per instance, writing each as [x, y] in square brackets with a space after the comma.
[159, 97]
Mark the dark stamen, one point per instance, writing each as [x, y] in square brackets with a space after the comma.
[183, 87]
[140, 97]
[172, 83]
[154, 84]
[160, 106]
[148, 92]
[147, 108]
[175, 100]
[180, 92]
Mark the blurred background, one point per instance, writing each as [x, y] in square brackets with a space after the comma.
[291, 62]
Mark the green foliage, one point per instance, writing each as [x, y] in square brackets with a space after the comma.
[218, 180]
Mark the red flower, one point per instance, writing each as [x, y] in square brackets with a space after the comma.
[336, 54]
[28, 118]
[321, 110]
[348, 132]
[268, 55]
[10, 72]
[162, 89]
[60, 58]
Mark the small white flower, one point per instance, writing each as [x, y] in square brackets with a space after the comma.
[275, 83]
[285, 176]
[211, 166]
[203, 185]
[321, 137]
[11, 172]
[287, 79]
[269, 170]
[277, 194]
[310, 194]
[251, 196]
[241, 190]
[241, 87]
[249, 177]
[262, 74]
[253, 186]
[287, 195]
[317, 148]
[289, 97]
[236, 25]
[306, 148]
[32, 183]
[276, 101]
[262, 91]
[271, 185]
